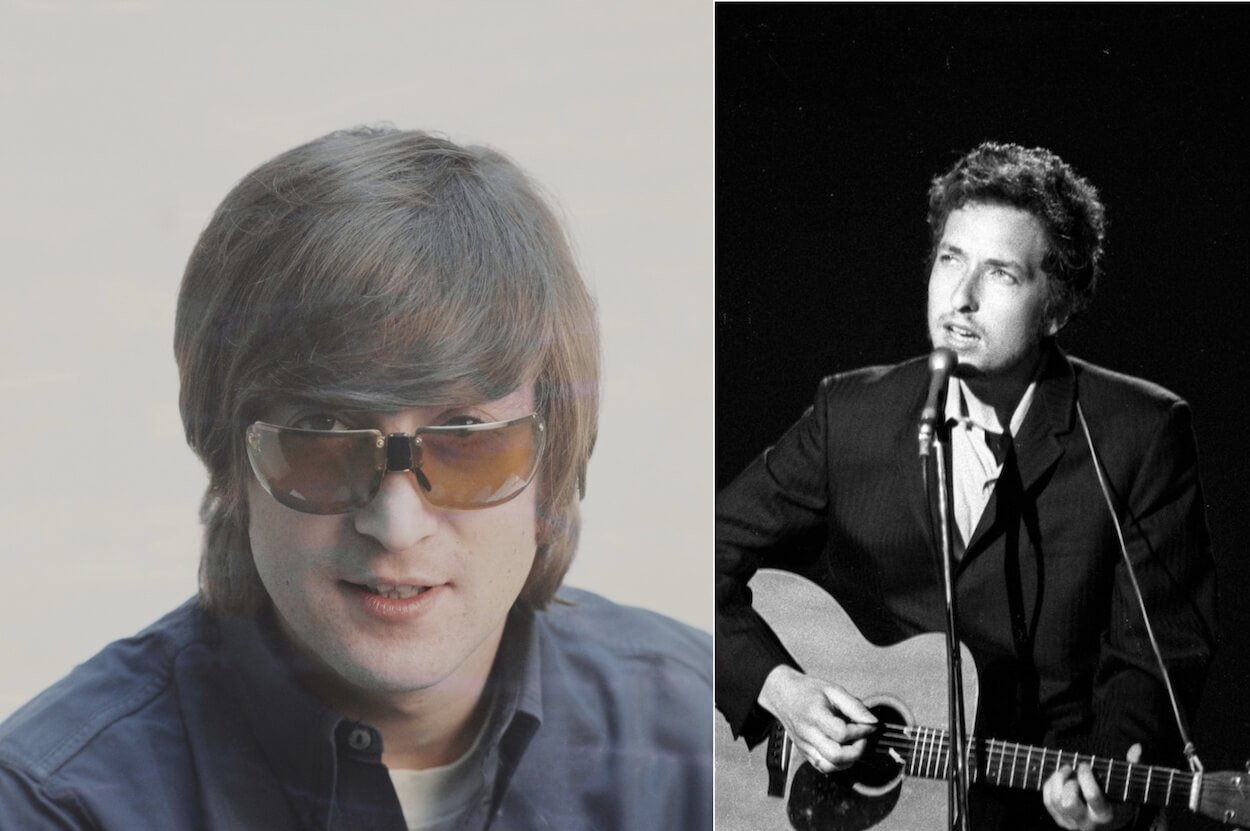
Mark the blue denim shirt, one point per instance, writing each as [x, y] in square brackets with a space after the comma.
[604, 722]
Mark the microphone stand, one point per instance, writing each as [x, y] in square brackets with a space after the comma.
[957, 773]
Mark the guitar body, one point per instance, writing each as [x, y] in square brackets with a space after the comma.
[822, 638]
[905, 687]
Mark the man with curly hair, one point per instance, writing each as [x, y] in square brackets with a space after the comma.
[1045, 603]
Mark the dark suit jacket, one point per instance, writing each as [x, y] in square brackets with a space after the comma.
[1045, 603]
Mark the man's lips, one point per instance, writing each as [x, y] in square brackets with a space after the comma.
[961, 331]
[396, 602]
[395, 590]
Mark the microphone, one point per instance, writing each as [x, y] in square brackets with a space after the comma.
[941, 365]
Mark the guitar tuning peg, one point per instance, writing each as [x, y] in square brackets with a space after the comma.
[1248, 766]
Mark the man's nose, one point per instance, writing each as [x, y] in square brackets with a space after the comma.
[966, 293]
[398, 517]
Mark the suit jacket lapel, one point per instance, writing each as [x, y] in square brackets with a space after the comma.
[1038, 447]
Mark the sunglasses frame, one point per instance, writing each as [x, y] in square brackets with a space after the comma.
[398, 453]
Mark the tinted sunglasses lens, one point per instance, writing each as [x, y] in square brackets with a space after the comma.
[314, 471]
[479, 468]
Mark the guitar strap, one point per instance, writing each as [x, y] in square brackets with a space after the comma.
[1191, 755]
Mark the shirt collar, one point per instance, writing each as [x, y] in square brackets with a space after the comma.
[517, 677]
[963, 406]
[298, 734]
[295, 731]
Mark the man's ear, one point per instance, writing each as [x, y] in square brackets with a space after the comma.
[1055, 316]
[1054, 323]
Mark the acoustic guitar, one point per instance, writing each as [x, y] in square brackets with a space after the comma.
[900, 783]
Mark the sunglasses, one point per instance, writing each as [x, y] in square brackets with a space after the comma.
[460, 467]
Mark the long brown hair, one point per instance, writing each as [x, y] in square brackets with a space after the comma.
[375, 269]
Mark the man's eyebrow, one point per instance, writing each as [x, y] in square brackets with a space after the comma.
[1006, 264]
[998, 261]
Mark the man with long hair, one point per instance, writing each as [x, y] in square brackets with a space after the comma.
[390, 368]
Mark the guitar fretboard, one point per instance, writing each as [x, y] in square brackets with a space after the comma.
[925, 752]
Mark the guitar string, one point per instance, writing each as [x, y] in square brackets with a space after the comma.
[1148, 782]
[1119, 775]
[928, 754]
[1154, 785]
[1047, 760]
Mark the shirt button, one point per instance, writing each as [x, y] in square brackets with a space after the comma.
[359, 739]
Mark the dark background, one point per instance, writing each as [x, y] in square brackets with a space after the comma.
[831, 120]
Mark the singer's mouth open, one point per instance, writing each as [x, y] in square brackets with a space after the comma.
[961, 335]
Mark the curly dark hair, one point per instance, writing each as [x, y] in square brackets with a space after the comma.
[1038, 181]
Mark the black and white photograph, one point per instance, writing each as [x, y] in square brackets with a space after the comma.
[980, 344]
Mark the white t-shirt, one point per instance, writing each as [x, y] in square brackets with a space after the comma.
[434, 799]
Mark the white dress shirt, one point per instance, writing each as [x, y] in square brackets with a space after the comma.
[974, 469]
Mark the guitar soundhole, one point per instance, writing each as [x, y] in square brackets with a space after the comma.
[852, 799]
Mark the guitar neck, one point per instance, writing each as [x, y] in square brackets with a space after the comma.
[925, 752]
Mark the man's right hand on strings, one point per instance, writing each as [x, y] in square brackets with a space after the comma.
[827, 724]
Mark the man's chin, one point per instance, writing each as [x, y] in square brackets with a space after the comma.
[967, 361]
[967, 369]
[374, 681]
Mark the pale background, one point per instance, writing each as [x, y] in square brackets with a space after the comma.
[126, 122]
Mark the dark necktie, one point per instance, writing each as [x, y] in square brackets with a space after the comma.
[999, 444]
